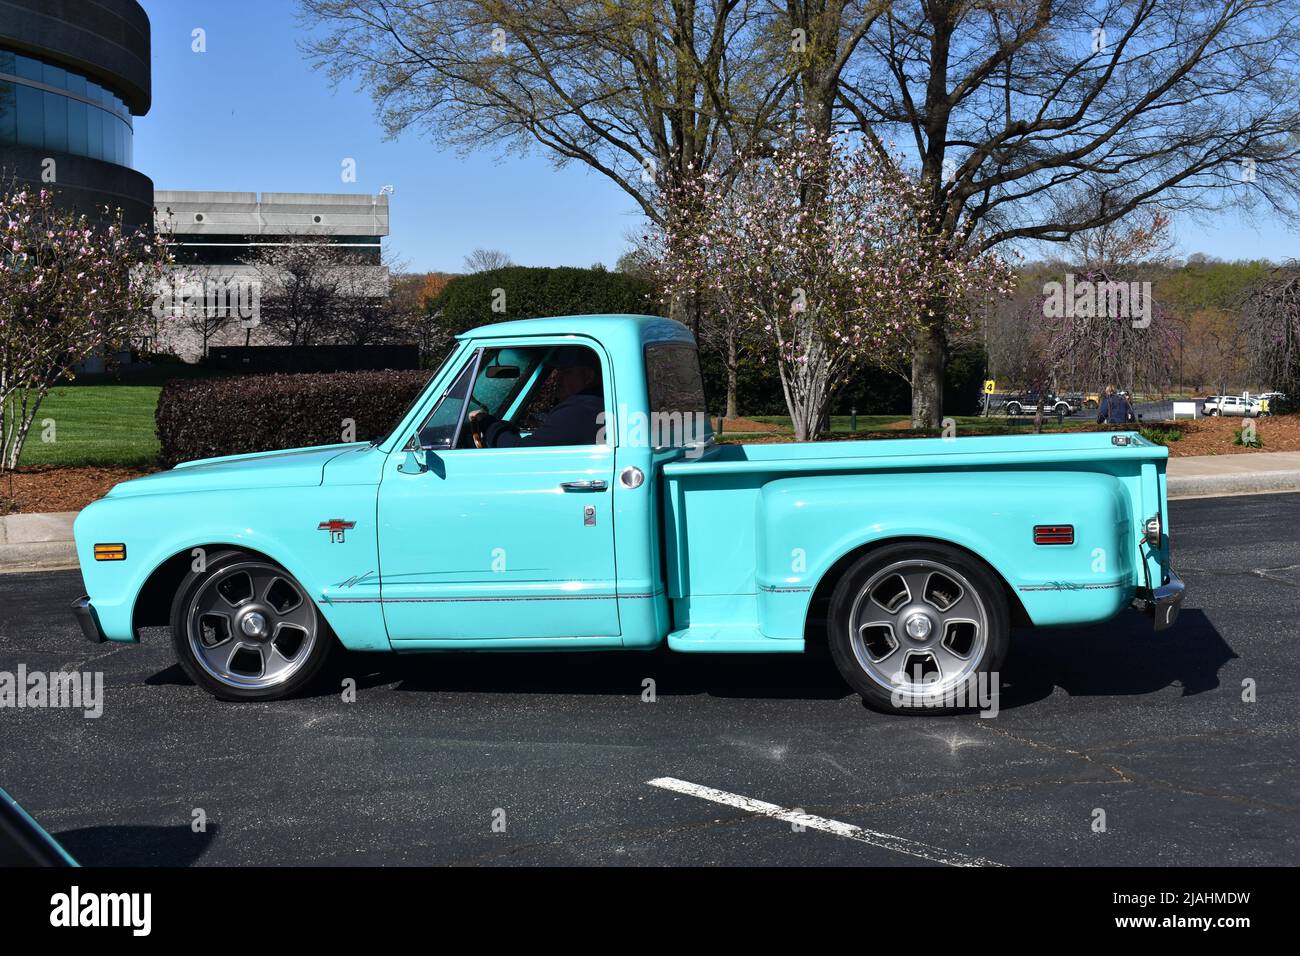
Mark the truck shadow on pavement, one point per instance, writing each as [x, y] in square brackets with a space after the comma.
[1122, 657]
[792, 676]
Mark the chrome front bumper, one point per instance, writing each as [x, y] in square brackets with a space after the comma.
[89, 621]
[1162, 606]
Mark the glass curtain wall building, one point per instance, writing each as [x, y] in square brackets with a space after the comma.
[73, 75]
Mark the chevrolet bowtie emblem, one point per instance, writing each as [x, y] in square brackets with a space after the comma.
[336, 527]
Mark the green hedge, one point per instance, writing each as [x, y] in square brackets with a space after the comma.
[230, 416]
[531, 292]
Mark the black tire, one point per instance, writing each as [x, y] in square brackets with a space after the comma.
[229, 563]
[1213, 412]
[1063, 409]
[908, 698]
[1014, 409]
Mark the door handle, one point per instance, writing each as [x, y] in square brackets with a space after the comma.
[593, 485]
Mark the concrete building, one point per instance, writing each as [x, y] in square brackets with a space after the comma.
[73, 74]
[215, 234]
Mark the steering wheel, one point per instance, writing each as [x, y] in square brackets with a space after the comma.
[475, 430]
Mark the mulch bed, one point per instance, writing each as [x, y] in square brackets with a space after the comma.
[51, 488]
[1213, 436]
[738, 425]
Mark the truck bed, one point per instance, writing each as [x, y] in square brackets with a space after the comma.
[753, 531]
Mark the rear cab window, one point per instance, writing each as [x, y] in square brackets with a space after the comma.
[679, 411]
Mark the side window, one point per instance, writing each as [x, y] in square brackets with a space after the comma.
[439, 429]
[564, 399]
[538, 395]
[678, 410]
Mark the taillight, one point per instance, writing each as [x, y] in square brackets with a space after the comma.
[1054, 534]
[1152, 531]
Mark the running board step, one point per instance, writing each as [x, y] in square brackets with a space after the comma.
[716, 639]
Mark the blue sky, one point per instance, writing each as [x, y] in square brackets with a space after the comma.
[252, 115]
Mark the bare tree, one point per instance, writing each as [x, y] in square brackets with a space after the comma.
[313, 291]
[200, 309]
[1142, 237]
[640, 92]
[485, 260]
[1270, 312]
[1036, 119]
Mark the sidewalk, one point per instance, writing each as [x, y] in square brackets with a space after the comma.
[1247, 473]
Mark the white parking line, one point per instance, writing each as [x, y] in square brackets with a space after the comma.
[886, 841]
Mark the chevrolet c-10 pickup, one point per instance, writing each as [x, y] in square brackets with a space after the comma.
[558, 486]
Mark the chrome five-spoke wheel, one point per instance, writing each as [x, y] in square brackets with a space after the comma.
[246, 629]
[918, 623]
[913, 622]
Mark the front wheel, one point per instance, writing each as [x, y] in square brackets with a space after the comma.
[919, 627]
[245, 629]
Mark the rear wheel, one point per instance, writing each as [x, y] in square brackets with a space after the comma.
[915, 625]
[245, 629]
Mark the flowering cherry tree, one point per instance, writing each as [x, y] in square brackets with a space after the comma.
[820, 249]
[69, 287]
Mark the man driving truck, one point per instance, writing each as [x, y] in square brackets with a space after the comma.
[575, 419]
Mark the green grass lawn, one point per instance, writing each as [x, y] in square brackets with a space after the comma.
[105, 425]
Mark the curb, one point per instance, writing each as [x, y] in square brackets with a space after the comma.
[37, 542]
[1233, 484]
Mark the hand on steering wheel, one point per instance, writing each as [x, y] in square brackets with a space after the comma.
[476, 428]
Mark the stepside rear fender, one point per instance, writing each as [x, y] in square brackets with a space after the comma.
[805, 525]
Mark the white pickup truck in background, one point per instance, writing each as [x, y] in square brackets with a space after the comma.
[1229, 405]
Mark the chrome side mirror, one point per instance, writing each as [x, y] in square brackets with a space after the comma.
[417, 454]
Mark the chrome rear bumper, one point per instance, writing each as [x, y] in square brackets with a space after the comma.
[1162, 606]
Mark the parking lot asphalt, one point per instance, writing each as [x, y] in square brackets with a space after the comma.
[547, 759]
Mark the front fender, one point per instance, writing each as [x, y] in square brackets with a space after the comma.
[282, 524]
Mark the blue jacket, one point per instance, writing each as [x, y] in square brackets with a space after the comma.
[1115, 410]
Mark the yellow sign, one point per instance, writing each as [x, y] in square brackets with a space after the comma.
[990, 386]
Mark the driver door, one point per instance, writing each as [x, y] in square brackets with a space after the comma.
[514, 545]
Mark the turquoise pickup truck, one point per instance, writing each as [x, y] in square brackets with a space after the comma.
[557, 486]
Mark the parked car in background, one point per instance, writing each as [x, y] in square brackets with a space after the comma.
[1091, 400]
[1075, 400]
[1026, 403]
[1229, 406]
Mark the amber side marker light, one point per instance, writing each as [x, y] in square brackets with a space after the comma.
[110, 552]
[1053, 534]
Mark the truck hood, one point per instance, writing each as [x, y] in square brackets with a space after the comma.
[292, 468]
